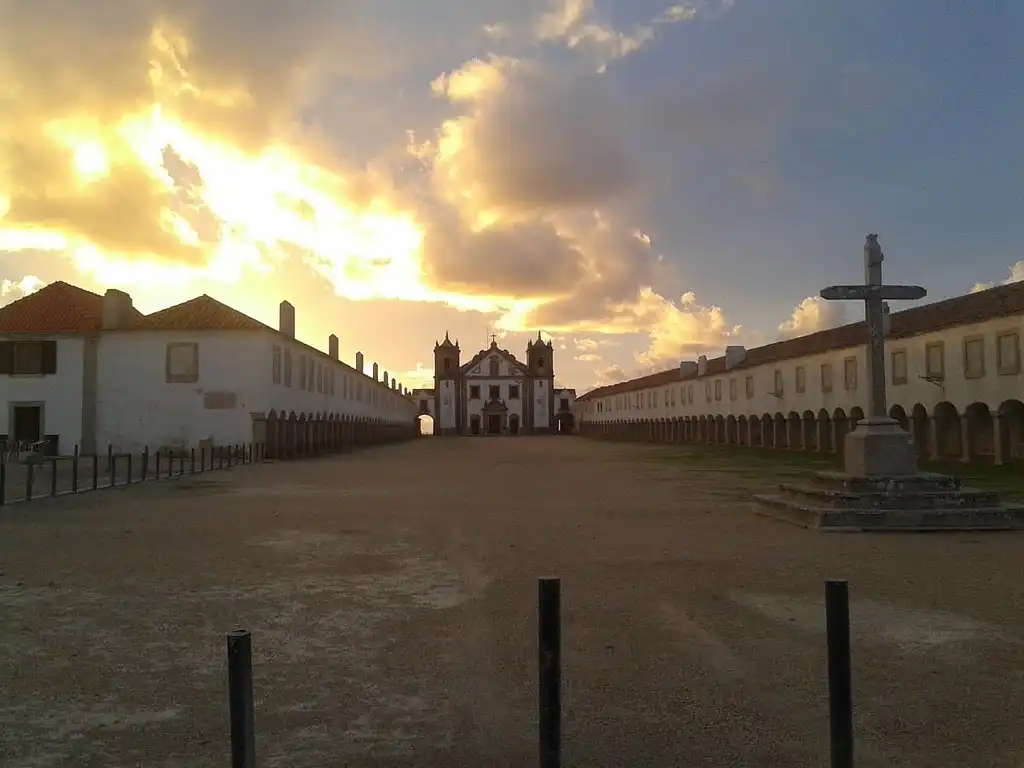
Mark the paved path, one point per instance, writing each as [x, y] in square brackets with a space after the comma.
[392, 599]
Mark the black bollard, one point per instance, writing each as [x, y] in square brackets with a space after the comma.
[110, 463]
[3, 482]
[53, 477]
[95, 470]
[202, 458]
[240, 700]
[549, 633]
[192, 467]
[840, 688]
[74, 471]
[129, 469]
[29, 480]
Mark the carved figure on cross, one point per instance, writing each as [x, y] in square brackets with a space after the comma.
[874, 293]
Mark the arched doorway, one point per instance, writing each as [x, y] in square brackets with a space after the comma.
[474, 424]
[564, 422]
[513, 424]
[425, 425]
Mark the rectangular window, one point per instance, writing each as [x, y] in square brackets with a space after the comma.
[733, 389]
[898, 361]
[319, 378]
[749, 387]
[302, 373]
[1008, 354]
[513, 391]
[474, 392]
[778, 384]
[332, 383]
[495, 367]
[182, 362]
[826, 377]
[707, 391]
[494, 391]
[28, 358]
[344, 387]
[563, 404]
[801, 380]
[850, 373]
[654, 399]
[974, 358]
[718, 390]
[935, 360]
[309, 374]
[276, 373]
[287, 367]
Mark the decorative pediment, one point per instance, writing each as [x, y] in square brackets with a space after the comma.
[494, 406]
[480, 364]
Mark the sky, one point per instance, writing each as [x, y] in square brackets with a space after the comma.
[641, 182]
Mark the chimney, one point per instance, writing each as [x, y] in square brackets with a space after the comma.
[117, 309]
[286, 323]
[359, 362]
[687, 368]
[332, 346]
[375, 372]
[385, 379]
[702, 365]
[734, 355]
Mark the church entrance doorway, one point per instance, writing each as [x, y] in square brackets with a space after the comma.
[474, 424]
[494, 424]
[513, 424]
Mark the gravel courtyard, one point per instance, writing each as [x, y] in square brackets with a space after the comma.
[392, 597]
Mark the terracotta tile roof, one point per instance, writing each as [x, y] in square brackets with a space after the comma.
[991, 304]
[200, 314]
[58, 308]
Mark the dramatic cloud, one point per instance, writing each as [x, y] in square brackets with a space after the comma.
[813, 314]
[1016, 275]
[12, 290]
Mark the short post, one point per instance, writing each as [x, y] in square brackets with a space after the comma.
[3, 483]
[240, 700]
[129, 468]
[74, 471]
[550, 657]
[110, 462]
[29, 480]
[145, 463]
[193, 469]
[53, 476]
[95, 470]
[840, 688]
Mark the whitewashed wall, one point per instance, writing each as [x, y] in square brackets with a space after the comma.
[541, 400]
[59, 393]
[446, 399]
[474, 406]
[674, 401]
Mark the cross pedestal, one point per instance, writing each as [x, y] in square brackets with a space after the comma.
[878, 445]
[881, 489]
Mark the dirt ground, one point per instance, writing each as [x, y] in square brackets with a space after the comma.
[392, 600]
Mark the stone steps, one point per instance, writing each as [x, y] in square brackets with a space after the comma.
[1004, 517]
[845, 499]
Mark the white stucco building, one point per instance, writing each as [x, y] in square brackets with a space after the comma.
[953, 379]
[494, 393]
[80, 369]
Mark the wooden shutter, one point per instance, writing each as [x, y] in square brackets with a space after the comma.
[49, 357]
[6, 358]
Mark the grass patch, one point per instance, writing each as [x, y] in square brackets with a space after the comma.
[767, 464]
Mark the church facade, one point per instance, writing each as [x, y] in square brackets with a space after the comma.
[494, 393]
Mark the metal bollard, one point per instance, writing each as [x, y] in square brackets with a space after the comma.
[840, 688]
[29, 480]
[549, 634]
[74, 471]
[53, 477]
[240, 700]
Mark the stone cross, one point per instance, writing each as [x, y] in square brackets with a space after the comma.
[873, 293]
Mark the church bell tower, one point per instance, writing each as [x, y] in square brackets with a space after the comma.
[541, 366]
[447, 387]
